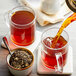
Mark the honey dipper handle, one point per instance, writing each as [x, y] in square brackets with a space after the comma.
[6, 44]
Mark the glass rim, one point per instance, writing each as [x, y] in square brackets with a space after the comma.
[54, 48]
[29, 11]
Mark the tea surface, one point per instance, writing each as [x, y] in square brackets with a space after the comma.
[22, 28]
[22, 17]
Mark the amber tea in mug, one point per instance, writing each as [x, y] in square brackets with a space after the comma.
[54, 57]
[22, 26]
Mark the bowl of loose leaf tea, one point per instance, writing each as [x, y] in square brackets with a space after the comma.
[20, 62]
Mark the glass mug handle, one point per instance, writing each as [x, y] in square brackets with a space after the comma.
[6, 18]
[59, 67]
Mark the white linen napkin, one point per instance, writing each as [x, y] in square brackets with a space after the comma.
[44, 19]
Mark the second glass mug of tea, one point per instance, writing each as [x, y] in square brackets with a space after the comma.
[54, 58]
[22, 25]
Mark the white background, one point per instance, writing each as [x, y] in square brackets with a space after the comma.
[6, 5]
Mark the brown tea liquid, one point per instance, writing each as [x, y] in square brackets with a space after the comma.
[48, 56]
[22, 28]
[58, 41]
[64, 25]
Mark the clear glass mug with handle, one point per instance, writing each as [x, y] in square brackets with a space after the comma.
[54, 58]
[22, 21]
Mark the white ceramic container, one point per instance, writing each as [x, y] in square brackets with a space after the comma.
[51, 6]
[20, 72]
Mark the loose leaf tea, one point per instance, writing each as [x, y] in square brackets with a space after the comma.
[21, 59]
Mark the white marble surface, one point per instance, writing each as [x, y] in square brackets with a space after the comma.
[6, 5]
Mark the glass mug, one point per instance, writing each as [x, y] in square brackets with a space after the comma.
[54, 58]
[22, 23]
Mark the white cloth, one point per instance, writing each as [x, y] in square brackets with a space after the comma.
[44, 19]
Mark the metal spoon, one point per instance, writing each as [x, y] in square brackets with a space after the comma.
[6, 44]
